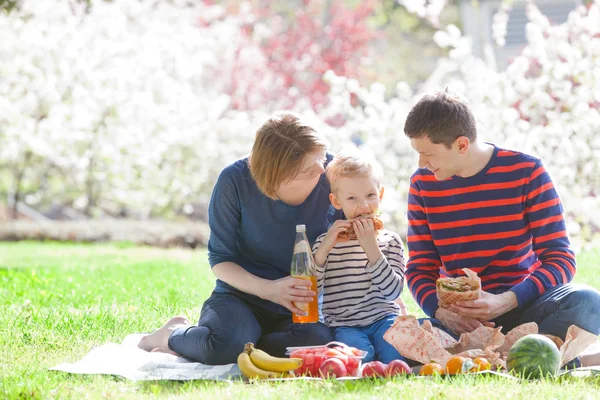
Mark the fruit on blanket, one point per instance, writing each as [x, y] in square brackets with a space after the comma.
[269, 363]
[251, 371]
[431, 368]
[458, 365]
[533, 356]
[332, 367]
[374, 369]
[481, 364]
[397, 367]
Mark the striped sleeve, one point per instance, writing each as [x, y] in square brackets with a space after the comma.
[387, 274]
[423, 267]
[319, 272]
[544, 212]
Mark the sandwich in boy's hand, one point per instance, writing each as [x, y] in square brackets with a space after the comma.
[451, 290]
[349, 234]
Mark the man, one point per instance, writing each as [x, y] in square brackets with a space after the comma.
[495, 211]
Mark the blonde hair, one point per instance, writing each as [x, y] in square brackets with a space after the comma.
[353, 163]
[279, 148]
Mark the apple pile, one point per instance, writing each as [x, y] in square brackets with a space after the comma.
[322, 361]
[377, 369]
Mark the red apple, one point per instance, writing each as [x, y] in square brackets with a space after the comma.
[332, 367]
[397, 367]
[374, 368]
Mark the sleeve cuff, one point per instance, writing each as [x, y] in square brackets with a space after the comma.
[430, 305]
[377, 266]
[526, 292]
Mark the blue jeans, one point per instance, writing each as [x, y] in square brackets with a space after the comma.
[227, 322]
[557, 309]
[370, 339]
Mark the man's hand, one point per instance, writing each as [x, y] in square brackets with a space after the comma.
[487, 307]
[330, 239]
[458, 323]
[367, 238]
[287, 291]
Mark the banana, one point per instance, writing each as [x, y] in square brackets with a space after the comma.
[269, 363]
[251, 371]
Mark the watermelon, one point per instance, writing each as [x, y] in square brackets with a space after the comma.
[533, 356]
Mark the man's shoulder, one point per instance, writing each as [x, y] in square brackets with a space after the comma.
[506, 156]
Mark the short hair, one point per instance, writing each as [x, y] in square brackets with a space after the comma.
[441, 117]
[279, 148]
[353, 163]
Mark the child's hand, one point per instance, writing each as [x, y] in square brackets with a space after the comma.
[367, 238]
[331, 238]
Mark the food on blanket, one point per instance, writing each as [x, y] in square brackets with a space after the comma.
[315, 356]
[269, 363]
[430, 369]
[451, 290]
[333, 368]
[533, 356]
[252, 371]
[349, 234]
[374, 369]
[458, 365]
[397, 367]
[481, 364]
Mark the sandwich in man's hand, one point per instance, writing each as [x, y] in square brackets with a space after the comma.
[451, 290]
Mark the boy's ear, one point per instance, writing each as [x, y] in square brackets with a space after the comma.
[381, 190]
[335, 202]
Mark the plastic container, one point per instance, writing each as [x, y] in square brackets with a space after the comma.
[313, 357]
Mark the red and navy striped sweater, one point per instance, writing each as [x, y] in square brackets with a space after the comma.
[505, 223]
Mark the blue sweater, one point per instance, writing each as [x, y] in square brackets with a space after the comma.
[256, 232]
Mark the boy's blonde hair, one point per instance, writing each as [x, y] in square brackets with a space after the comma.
[353, 163]
[279, 149]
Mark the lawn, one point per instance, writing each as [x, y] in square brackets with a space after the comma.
[60, 300]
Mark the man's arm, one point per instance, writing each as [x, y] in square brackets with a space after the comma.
[423, 267]
[551, 244]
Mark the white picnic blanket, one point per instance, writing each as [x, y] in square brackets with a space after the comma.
[127, 360]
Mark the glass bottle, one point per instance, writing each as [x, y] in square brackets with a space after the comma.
[303, 268]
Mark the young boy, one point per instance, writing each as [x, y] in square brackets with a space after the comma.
[361, 279]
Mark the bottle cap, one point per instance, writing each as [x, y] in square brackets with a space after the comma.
[300, 228]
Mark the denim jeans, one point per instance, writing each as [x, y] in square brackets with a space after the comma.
[227, 322]
[557, 309]
[370, 339]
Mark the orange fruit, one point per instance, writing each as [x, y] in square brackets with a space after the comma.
[458, 365]
[431, 369]
[481, 364]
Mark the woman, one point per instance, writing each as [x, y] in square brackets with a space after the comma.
[255, 206]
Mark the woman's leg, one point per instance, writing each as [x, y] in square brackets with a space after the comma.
[284, 333]
[356, 337]
[226, 324]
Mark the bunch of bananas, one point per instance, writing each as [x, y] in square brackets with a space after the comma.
[257, 364]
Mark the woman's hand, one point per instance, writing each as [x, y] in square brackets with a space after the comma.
[286, 291]
[367, 238]
[459, 323]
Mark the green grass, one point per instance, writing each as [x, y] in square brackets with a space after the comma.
[57, 301]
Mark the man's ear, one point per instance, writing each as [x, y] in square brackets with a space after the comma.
[381, 190]
[334, 201]
[462, 144]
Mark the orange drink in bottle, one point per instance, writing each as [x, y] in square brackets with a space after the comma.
[303, 268]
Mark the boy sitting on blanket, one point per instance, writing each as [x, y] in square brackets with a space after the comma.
[360, 273]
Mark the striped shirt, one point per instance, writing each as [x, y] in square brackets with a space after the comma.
[354, 293]
[505, 223]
